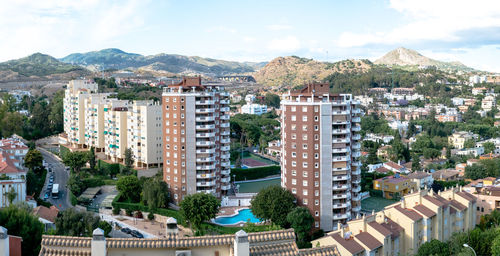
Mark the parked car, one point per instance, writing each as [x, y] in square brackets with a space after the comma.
[46, 196]
[137, 234]
[126, 230]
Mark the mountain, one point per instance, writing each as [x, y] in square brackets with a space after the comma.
[171, 63]
[37, 66]
[295, 71]
[411, 59]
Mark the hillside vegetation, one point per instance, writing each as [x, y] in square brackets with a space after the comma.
[38, 65]
[292, 71]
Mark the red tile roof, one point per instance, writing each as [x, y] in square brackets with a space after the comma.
[7, 165]
[424, 211]
[394, 165]
[381, 229]
[413, 215]
[434, 201]
[349, 244]
[467, 196]
[49, 214]
[368, 240]
[392, 226]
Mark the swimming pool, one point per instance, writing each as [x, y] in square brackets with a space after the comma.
[243, 216]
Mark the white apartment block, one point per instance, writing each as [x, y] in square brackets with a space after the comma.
[94, 119]
[253, 109]
[196, 138]
[488, 103]
[145, 133]
[321, 153]
[74, 111]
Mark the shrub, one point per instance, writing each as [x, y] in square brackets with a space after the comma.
[116, 210]
[138, 214]
[151, 216]
[255, 173]
[128, 211]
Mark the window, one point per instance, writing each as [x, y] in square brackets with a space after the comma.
[294, 145]
[316, 192]
[316, 213]
[316, 137]
[304, 192]
[304, 201]
[166, 99]
[304, 109]
[316, 183]
[316, 155]
[175, 99]
[304, 136]
[294, 163]
[294, 118]
[316, 108]
[294, 108]
[304, 118]
[304, 183]
[294, 173]
[316, 128]
[316, 224]
[294, 154]
[304, 146]
[304, 174]
[316, 118]
[304, 155]
[294, 182]
[304, 164]
[316, 146]
[316, 202]
[316, 174]
[294, 127]
[304, 127]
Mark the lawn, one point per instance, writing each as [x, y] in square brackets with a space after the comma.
[256, 186]
[260, 159]
[375, 203]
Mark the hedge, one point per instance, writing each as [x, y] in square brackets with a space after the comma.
[143, 208]
[240, 174]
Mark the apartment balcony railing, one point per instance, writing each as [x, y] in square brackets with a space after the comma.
[356, 111]
[356, 119]
[356, 209]
[205, 143]
[205, 151]
[225, 172]
[205, 159]
[340, 159]
[341, 177]
[225, 133]
[225, 125]
[225, 187]
[205, 176]
[356, 163]
[224, 117]
[205, 167]
[225, 156]
[341, 150]
[225, 180]
[356, 171]
[205, 184]
[224, 101]
[225, 94]
[356, 189]
[356, 102]
[340, 206]
[206, 191]
[341, 216]
[340, 187]
[356, 154]
[356, 198]
[205, 110]
[340, 112]
[205, 127]
[356, 137]
[225, 164]
[224, 109]
[340, 131]
[205, 102]
[356, 181]
[356, 145]
[205, 135]
[225, 141]
[356, 128]
[341, 140]
[225, 148]
[338, 102]
[206, 94]
[340, 169]
[339, 196]
[205, 119]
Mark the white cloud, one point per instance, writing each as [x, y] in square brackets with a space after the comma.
[59, 27]
[276, 27]
[222, 29]
[287, 44]
[430, 20]
[249, 39]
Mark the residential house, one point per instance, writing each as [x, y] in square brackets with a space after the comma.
[458, 139]
[396, 168]
[47, 216]
[446, 175]
[421, 179]
[394, 186]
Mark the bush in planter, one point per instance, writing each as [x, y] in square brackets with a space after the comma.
[138, 214]
[116, 210]
[128, 211]
[151, 216]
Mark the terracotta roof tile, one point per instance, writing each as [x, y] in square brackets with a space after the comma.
[424, 211]
[368, 240]
[394, 227]
[381, 229]
[320, 251]
[349, 244]
[46, 213]
[434, 201]
[467, 196]
[409, 213]
[457, 205]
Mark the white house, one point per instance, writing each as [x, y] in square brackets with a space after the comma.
[254, 109]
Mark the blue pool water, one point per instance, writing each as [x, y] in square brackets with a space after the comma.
[243, 216]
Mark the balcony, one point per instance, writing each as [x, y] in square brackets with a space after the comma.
[334, 122]
[340, 187]
[205, 176]
[225, 94]
[225, 133]
[224, 101]
[205, 127]
[225, 125]
[205, 102]
[356, 189]
[340, 131]
[341, 177]
[205, 151]
[356, 119]
[356, 171]
[343, 112]
[224, 117]
[356, 111]
[225, 180]
[341, 169]
[356, 137]
[225, 156]
[205, 119]
[225, 187]
[340, 159]
[356, 209]
[205, 167]
[356, 181]
[341, 216]
[339, 196]
[356, 145]
[356, 154]
[224, 109]
[341, 140]
[225, 148]
[205, 159]
[356, 163]
[225, 141]
[206, 94]
[356, 128]
[338, 103]
[206, 191]
[205, 135]
[340, 206]
[356, 102]
[225, 164]
[205, 184]
[356, 198]
[225, 172]
[205, 143]
[205, 110]
[341, 150]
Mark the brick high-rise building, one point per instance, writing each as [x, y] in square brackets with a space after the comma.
[195, 138]
[321, 150]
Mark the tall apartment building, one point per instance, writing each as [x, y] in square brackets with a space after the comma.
[94, 120]
[115, 129]
[320, 153]
[196, 138]
[74, 110]
[145, 132]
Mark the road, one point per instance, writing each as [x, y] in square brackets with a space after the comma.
[61, 177]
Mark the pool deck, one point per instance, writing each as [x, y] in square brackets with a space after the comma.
[224, 211]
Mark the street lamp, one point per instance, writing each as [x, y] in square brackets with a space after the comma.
[467, 246]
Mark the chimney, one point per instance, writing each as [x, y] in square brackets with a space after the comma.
[98, 244]
[403, 203]
[241, 244]
[4, 242]
[172, 229]
[339, 225]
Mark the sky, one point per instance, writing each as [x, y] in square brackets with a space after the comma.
[449, 30]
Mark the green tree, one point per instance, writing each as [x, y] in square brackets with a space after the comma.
[198, 208]
[272, 100]
[129, 187]
[301, 221]
[38, 121]
[75, 160]
[129, 159]
[33, 160]
[495, 246]
[12, 123]
[273, 203]
[76, 223]
[11, 195]
[20, 221]
[56, 108]
[434, 248]
[470, 143]
[91, 158]
[155, 193]
[415, 163]
[488, 147]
